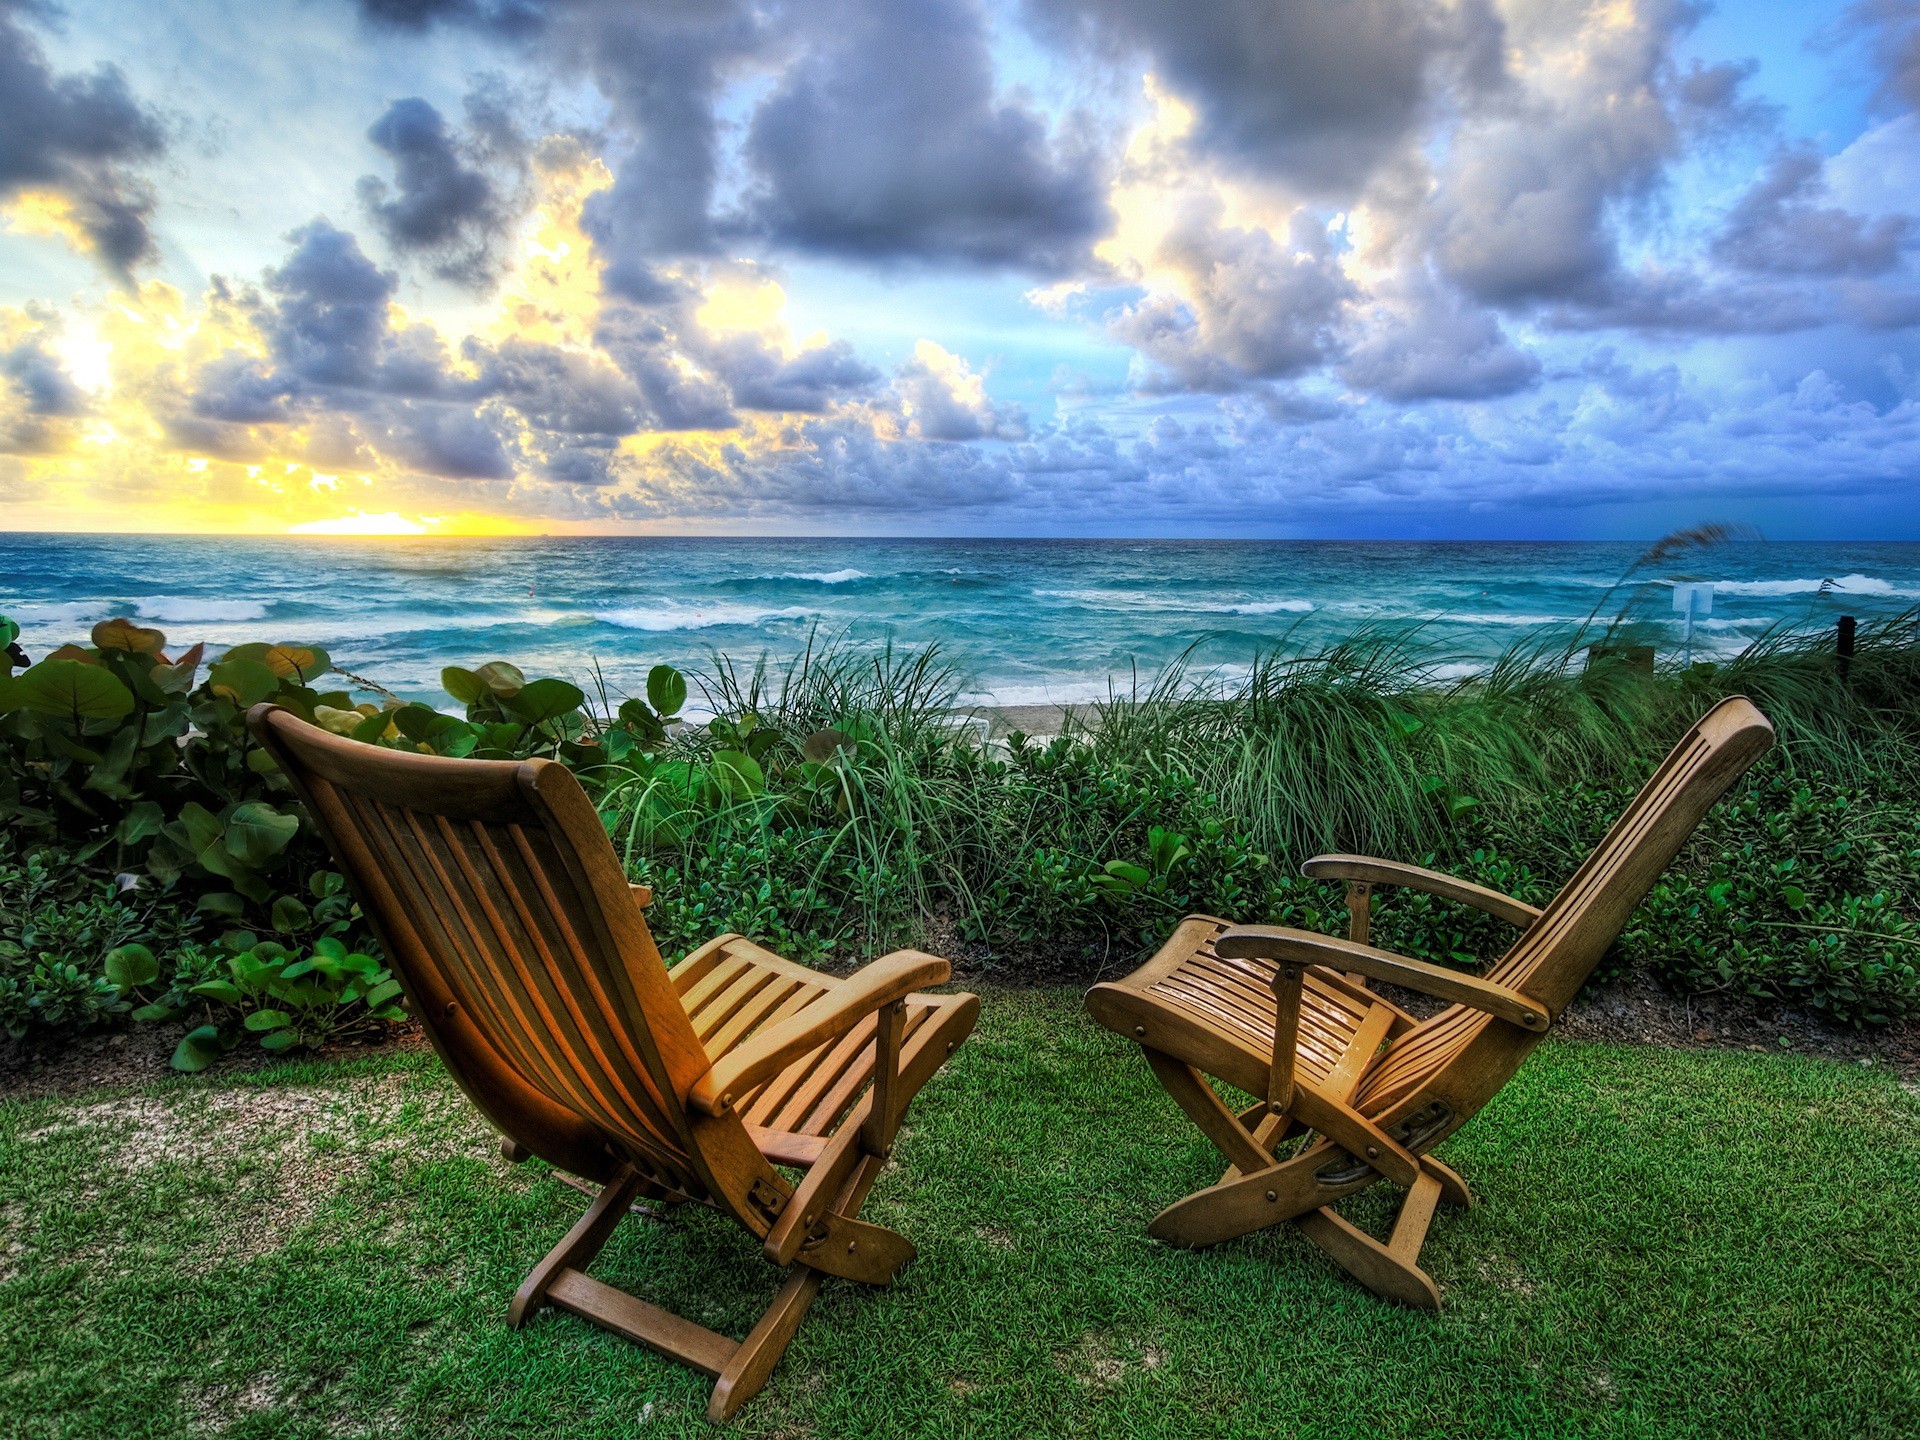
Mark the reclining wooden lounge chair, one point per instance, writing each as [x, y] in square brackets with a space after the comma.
[1285, 1015]
[509, 921]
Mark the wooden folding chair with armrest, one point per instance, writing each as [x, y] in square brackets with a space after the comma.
[509, 921]
[1285, 1015]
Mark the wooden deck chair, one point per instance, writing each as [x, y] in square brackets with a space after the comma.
[1286, 1016]
[507, 917]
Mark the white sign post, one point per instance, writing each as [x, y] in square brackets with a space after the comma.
[1692, 600]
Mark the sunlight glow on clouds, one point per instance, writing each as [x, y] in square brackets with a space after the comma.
[1417, 267]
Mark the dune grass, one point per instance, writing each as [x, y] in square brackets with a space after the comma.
[1669, 1244]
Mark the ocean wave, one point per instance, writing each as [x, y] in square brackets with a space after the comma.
[1837, 585]
[686, 617]
[828, 577]
[59, 612]
[190, 610]
[1144, 600]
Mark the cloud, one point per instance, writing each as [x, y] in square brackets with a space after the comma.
[1892, 29]
[943, 399]
[455, 198]
[1317, 95]
[511, 17]
[38, 398]
[1422, 340]
[331, 325]
[1779, 228]
[886, 139]
[661, 69]
[76, 137]
[760, 378]
[1246, 305]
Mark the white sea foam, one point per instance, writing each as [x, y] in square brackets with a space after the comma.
[828, 577]
[62, 612]
[189, 610]
[669, 616]
[1260, 607]
[1837, 585]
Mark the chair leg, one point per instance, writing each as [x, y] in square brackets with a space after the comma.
[582, 1243]
[752, 1364]
[1453, 1189]
[1390, 1269]
[1253, 1201]
[1219, 1124]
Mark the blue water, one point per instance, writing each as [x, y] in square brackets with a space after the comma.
[1026, 621]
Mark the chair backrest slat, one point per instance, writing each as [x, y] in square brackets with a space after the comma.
[496, 922]
[1552, 960]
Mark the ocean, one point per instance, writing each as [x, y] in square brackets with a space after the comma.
[1025, 621]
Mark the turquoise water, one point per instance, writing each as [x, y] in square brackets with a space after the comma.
[1026, 621]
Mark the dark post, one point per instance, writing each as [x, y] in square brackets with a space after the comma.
[1844, 645]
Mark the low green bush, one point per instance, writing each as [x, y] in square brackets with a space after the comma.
[841, 805]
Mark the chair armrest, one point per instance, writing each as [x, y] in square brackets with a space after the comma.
[1367, 869]
[1305, 947]
[767, 1052]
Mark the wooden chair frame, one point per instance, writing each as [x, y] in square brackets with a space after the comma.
[525, 956]
[1286, 1016]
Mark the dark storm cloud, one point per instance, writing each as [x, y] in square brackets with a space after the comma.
[1779, 226]
[1315, 93]
[512, 17]
[447, 204]
[450, 441]
[661, 68]
[561, 390]
[76, 135]
[237, 389]
[762, 379]
[886, 139]
[660, 64]
[331, 324]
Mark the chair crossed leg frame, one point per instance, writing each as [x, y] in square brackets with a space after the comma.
[815, 1233]
[1351, 1153]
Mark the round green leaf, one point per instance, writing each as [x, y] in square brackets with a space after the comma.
[267, 1020]
[129, 966]
[280, 1040]
[198, 1049]
[221, 992]
[256, 832]
[545, 700]
[501, 678]
[666, 689]
[289, 915]
[462, 685]
[738, 773]
[244, 681]
[72, 688]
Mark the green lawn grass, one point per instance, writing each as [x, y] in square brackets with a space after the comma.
[1667, 1243]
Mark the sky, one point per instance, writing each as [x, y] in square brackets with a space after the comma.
[1343, 268]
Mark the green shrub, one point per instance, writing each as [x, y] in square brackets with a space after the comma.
[840, 805]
